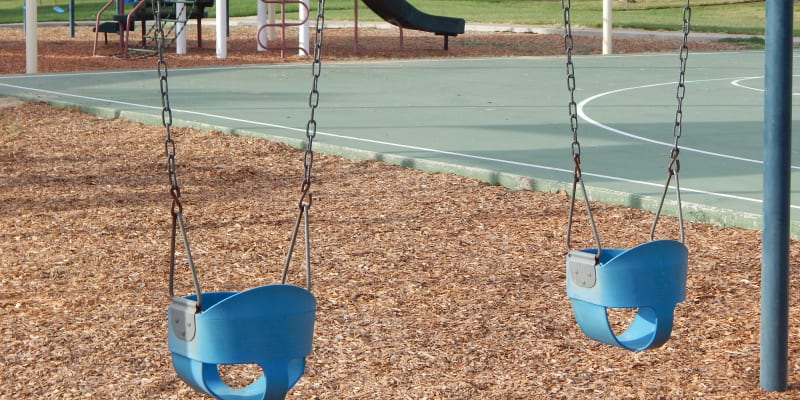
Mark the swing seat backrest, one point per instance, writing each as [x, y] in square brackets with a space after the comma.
[271, 326]
[650, 277]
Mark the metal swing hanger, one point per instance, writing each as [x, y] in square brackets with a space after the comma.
[178, 225]
[271, 326]
[305, 201]
[308, 155]
[673, 168]
[650, 277]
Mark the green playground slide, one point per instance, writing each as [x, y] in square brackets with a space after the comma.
[406, 16]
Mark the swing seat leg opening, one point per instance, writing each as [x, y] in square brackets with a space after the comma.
[647, 330]
[650, 277]
[277, 378]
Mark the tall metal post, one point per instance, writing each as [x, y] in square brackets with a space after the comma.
[180, 39]
[777, 163]
[302, 35]
[607, 26]
[72, 18]
[31, 39]
[222, 28]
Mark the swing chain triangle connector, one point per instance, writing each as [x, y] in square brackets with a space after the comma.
[673, 170]
[577, 178]
[301, 216]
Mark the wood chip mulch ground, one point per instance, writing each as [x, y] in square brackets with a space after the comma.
[429, 285]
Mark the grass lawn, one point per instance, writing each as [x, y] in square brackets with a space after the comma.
[745, 17]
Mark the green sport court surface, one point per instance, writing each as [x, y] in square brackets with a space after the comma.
[503, 120]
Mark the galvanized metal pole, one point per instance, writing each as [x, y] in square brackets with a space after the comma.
[607, 25]
[261, 20]
[302, 35]
[72, 18]
[31, 39]
[222, 28]
[777, 163]
[180, 25]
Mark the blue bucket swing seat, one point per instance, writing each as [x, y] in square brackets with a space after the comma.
[271, 326]
[650, 277]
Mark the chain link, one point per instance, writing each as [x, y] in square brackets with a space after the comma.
[573, 107]
[313, 102]
[166, 111]
[681, 89]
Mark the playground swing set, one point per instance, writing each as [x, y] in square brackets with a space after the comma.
[272, 325]
[650, 277]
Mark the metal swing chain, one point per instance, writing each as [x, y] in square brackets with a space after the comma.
[577, 177]
[674, 167]
[308, 155]
[169, 150]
